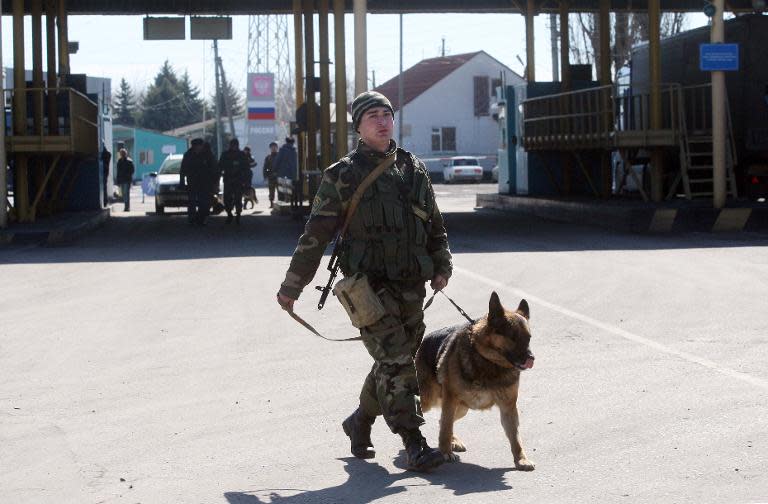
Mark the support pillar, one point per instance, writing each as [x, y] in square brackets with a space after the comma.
[719, 137]
[606, 123]
[341, 79]
[21, 165]
[325, 85]
[37, 64]
[63, 43]
[3, 160]
[654, 45]
[50, 39]
[605, 42]
[360, 8]
[298, 30]
[309, 69]
[530, 53]
[565, 85]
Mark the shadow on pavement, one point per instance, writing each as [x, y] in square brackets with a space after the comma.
[153, 237]
[369, 482]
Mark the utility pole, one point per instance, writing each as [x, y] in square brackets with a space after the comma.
[225, 96]
[442, 51]
[218, 96]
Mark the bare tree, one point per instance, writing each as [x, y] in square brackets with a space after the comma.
[628, 29]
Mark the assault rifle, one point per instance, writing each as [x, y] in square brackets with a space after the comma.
[333, 267]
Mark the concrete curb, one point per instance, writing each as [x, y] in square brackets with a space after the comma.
[57, 234]
[636, 218]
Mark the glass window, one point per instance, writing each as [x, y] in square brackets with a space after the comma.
[435, 139]
[449, 139]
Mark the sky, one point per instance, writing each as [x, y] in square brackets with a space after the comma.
[113, 46]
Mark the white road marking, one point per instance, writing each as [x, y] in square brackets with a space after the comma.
[616, 330]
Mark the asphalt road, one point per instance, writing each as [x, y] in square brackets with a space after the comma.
[148, 362]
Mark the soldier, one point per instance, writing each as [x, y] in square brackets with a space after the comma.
[398, 239]
[198, 168]
[125, 171]
[270, 172]
[234, 166]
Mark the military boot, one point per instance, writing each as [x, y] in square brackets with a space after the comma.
[419, 456]
[358, 427]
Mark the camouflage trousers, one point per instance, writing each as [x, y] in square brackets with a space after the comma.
[391, 389]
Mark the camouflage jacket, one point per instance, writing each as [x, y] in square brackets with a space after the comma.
[374, 243]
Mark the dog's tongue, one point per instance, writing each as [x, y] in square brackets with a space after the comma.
[528, 363]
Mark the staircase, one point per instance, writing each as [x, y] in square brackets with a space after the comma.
[696, 162]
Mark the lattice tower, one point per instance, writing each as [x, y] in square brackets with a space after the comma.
[269, 51]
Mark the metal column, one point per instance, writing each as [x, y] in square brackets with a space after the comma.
[604, 20]
[605, 42]
[718, 115]
[50, 40]
[309, 66]
[325, 85]
[400, 91]
[63, 43]
[3, 161]
[360, 8]
[341, 79]
[298, 30]
[530, 53]
[21, 172]
[657, 155]
[37, 64]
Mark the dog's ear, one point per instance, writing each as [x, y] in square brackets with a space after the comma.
[495, 310]
[523, 309]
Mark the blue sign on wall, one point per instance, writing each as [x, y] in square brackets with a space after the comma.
[719, 57]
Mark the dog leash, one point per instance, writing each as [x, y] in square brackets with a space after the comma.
[463, 313]
[314, 331]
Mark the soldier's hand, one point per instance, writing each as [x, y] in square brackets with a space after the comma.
[439, 282]
[285, 302]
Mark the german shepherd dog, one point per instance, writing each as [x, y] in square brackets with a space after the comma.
[477, 366]
[249, 196]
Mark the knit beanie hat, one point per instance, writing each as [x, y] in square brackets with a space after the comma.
[365, 101]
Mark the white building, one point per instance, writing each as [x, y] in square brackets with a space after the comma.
[448, 108]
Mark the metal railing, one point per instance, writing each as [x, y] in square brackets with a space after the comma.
[56, 119]
[577, 117]
[598, 117]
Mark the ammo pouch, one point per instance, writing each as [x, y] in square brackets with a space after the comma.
[359, 300]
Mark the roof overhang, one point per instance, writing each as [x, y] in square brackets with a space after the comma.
[248, 7]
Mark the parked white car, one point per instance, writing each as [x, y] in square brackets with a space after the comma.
[462, 168]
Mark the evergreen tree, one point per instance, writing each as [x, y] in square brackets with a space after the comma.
[163, 105]
[192, 103]
[235, 101]
[125, 105]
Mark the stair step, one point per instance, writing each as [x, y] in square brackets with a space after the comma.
[700, 154]
[700, 139]
[696, 194]
[701, 167]
[700, 180]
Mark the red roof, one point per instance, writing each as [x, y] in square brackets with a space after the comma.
[422, 76]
